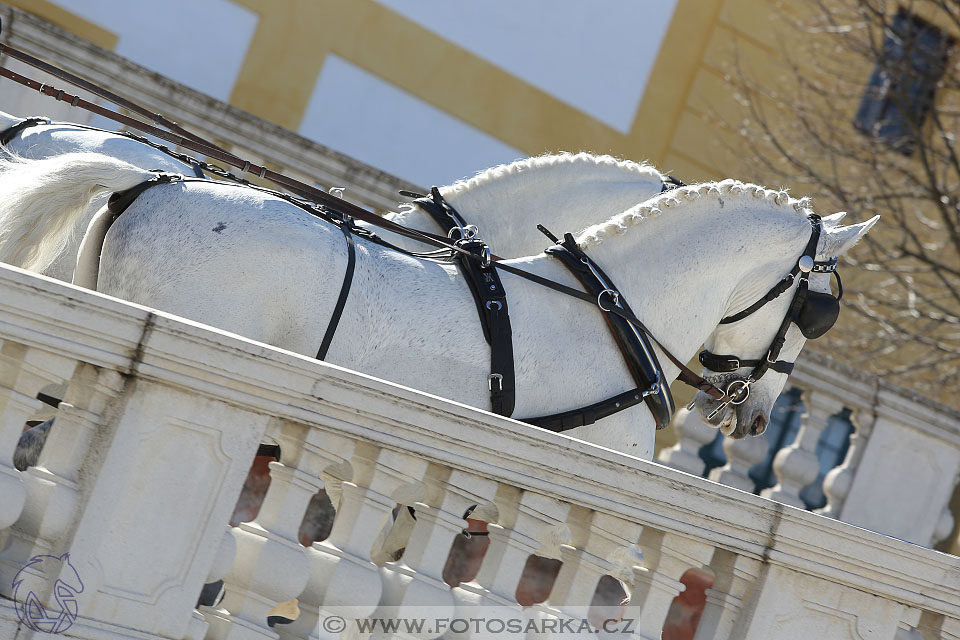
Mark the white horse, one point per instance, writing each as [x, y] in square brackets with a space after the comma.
[253, 264]
[566, 192]
[40, 141]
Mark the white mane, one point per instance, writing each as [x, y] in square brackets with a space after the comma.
[574, 163]
[653, 207]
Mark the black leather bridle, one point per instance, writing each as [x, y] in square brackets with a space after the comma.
[814, 313]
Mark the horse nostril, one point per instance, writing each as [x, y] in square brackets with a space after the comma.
[759, 426]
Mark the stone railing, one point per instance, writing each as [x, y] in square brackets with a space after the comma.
[900, 471]
[237, 131]
[160, 422]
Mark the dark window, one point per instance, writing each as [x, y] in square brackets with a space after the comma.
[900, 93]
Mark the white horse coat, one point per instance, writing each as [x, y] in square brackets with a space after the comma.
[251, 263]
[49, 140]
[566, 192]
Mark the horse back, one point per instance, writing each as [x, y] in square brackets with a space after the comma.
[235, 258]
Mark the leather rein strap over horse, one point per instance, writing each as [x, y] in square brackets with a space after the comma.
[325, 201]
[490, 298]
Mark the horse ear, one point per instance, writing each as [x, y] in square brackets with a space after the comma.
[833, 219]
[842, 239]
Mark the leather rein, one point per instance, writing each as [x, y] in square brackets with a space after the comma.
[332, 208]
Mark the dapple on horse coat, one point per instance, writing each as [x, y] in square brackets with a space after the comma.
[251, 263]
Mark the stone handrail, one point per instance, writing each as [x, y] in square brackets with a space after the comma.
[162, 418]
[900, 470]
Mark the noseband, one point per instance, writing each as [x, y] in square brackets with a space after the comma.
[814, 313]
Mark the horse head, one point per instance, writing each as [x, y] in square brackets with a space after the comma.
[797, 311]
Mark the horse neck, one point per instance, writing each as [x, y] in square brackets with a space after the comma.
[567, 195]
[684, 269]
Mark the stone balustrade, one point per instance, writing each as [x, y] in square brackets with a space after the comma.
[162, 417]
[901, 468]
[895, 430]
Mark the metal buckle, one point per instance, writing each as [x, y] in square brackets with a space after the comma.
[735, 362]
[499, 379]
[654, 388]
[826, 266]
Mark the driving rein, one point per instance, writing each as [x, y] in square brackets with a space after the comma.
[813, 312]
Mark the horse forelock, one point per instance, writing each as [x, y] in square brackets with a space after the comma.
[561, 162]
[741, 192]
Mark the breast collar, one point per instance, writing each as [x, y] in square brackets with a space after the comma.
[490, 298]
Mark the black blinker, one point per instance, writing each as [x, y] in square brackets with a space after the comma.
[818, 314]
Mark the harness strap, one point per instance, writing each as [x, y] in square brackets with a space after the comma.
[640, 358]
[729, 364]
[304, 190]
[8, 134]
[491, 300]
[770, 362]
[99, 91]
[489, 296]
[566, 420]
[442, 212]
[121, 200]
[344, 291]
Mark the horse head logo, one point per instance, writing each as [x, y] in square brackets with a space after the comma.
[33, 579]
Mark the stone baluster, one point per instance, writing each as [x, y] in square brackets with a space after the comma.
[949, 629]
[666, 557]
[24, 372]
[837, 483]
[945, 522]
[692, 435]
[600, 545]
[735, 577]
[741, 455]
[53, 485]
[368, 488]
[797, 465]
[908, 633]
[934, 626]
[225, 556]
[271, 565]
[526, 524]
[416, 580]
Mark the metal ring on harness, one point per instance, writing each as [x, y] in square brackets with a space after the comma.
[490, 304]
[739, 394]
[614, 295]
[467, 232]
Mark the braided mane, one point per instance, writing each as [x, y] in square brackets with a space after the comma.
[653, 207]
[573, 162]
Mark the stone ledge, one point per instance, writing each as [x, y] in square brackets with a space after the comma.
[270, 381]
